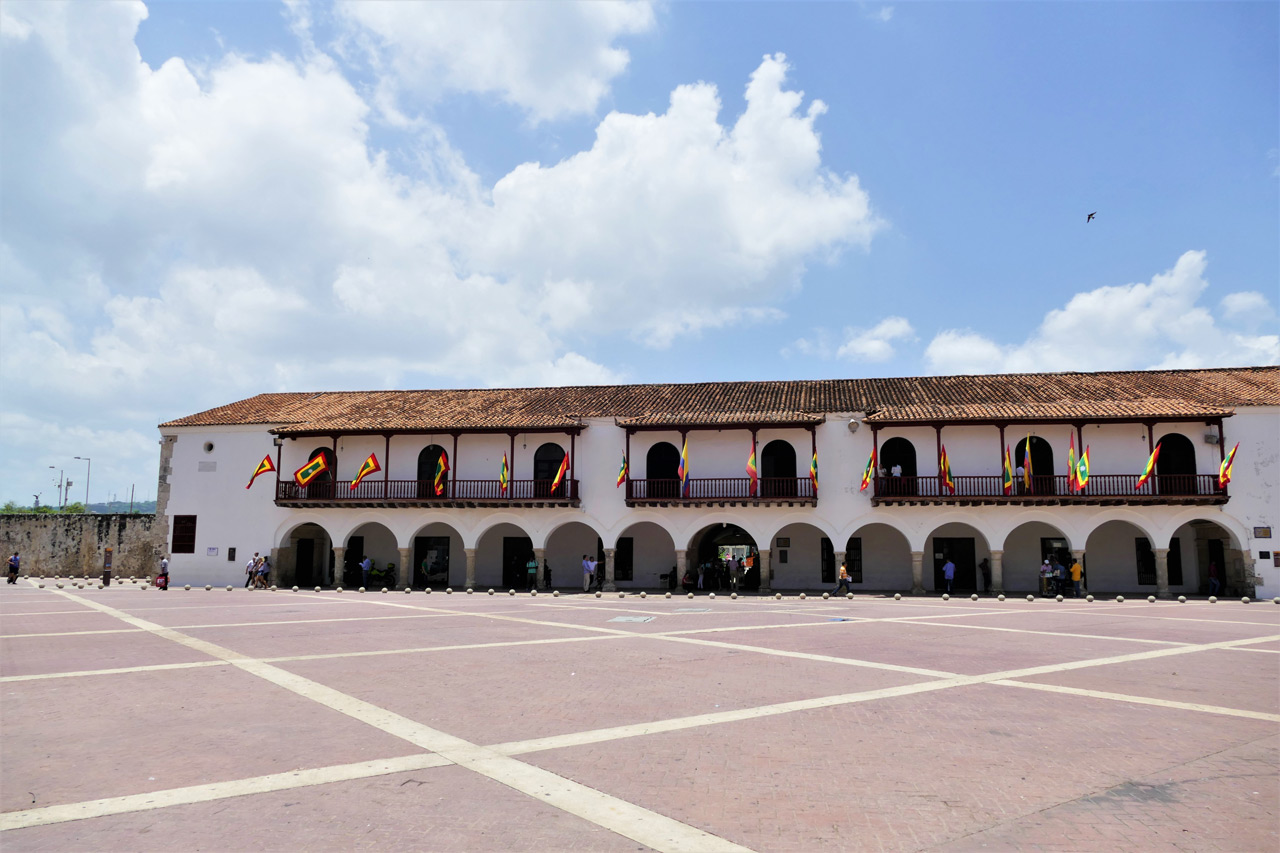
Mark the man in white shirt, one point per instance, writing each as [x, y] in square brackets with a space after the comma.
[250, 569]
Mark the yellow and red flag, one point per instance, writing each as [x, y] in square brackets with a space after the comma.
[1026, 465]
[442, 468]
[1007, 477]
[266, 466]
[752, 472]
[370, 466]
[561, 473]
[622, 471]
[504, 476]
[944, 470]
[813, 473]
[683, 471]
[1224, 471]
[317, 466]
[869, 471]
[1150, 469]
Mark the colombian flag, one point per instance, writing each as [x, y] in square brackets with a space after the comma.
[370, 466]
[683, 471]
[944, 469]
[1007, 477]
[504, 476]
[266, 466]
[1224, 472]
[442, 468]
[311, 470]
[1150, 469]
[869, 471]
[560, 473]
[622, 472]
[1082, 470]
[1026, 465]
[752, 472]
[813, 473]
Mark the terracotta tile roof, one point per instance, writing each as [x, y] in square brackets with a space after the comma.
[1033, 396]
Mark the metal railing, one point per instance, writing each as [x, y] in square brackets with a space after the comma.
[721, 489]
[424, 490]
[1099, 486]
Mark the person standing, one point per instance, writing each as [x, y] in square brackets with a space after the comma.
[586, 574]
[843, 580]
[250, 570]
[949, 573]
[162, 579]
[1215, 583]
[14, 566]
[531, 568]
[985, 567]
[546, 574]
[366, 566]
[1077, 575]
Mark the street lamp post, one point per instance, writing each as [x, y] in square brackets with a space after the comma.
[88, 470]
[60, 496]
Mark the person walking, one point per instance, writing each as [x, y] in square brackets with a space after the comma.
[949, 573]
[843, 580]
[250, 570]
[1077, 575]
[14, 566]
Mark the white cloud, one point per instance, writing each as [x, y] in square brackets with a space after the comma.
[550, 58]
[876, 343]
[1159, 324]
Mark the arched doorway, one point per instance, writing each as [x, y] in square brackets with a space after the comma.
[652, 553]
[546, 462]
[1176, 467]
[428, 461]
[778, 470]
[1026, 547]
[1197, 545]
[306, 557]
[438, 557]
[565, 549]
[1119, 558]
[1041, 466]
[322, 485]
[502, 553]
[898, 460]
[376, 542]
[712, 547]
[963, 545]
[879, 558]
[806, 561]
[662, 471]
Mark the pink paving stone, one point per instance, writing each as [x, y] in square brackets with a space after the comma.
[1222, 677]
[339, 637]
[67, 740]
[582, 686]
[669, 618]
[89, 620]
[39, 655]
[1170, 627]
[444, 808]
[903, 773]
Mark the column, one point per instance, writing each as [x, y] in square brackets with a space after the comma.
[404, 573]
[471, 567]
[278, 576]
[766, 571]
[608, 570]
[681, 565]
[338, 556]
[1247, 587]
[997, 572]
[1162, 572]
[917, 572]
[540, 554]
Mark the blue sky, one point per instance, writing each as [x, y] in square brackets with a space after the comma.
[203, 201]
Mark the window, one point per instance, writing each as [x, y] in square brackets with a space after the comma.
[853, 559]
[1146, 562]
[624, 559]
[184, 534]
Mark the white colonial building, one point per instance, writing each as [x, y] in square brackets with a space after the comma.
[895, 535]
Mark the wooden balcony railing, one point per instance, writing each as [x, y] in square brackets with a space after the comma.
[424, 492]
[1120, 488]
[706, 489]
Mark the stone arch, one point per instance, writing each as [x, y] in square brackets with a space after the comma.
[373, 539]
[566, 544]
[808, 560]
[885, 553]
[963, 542]
[546, 463]
[1042, 482]
[437, 556]
[1195, 541]
[1112, 561]
[1176, 466]
[653, 554]
[899, 454]
[304, 552]
[501, 551]
[1026, 546]
[712, 539]
[428, 460]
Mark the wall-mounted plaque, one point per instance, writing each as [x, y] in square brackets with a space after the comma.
[1262, 533]
[785, 541]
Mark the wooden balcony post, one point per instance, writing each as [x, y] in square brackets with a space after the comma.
[937, 431]
[453, 474]
[386, 466]
[627, 453]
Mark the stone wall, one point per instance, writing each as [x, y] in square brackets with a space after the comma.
[76, 544]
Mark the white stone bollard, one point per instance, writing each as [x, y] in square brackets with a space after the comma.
[1089, 599]
[317, 589]
[1182, 599]
[946, 597]
[1151, 599]
[1031, 598]
[339, 589]
[207, 587]
[384, 590]
[825, 596]
[624, 595]
[712, 595]
[668, 595]
[802, 596]
[448, 590]
[973, 597]
[1244, 600]
[555, 593]
[533, 592]
[1059, 598]
[897, 596]
[691, 595]
[295, 589]
[1000, 597]
[470, 591]
[849, 596]
[777, 596]
[188, 586]
[407, 590]
[144, 586]
[361, 589]
[598, 594]
[643, 594]
[1119, 599]
[1213, 599]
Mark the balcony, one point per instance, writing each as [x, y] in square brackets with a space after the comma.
[1102, 489]
[422, 493]
[723, 491]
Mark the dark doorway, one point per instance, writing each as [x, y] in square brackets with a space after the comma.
[546, 462]
[1176, 467]
[1174, 562]
[430, 561]
[853, 559]
[516, 551]
[304, 562]
[428, 460]
[961, 552]
[624, 560]
[1041, 466]
[1146, 560]
[1055, 549]
[828, 561]
[898, 459]
[351, 574]
[714, 538]
[1217, 556]
[662, 471]
[778, 470]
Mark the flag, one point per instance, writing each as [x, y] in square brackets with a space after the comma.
[266, 466]
[944, 471]
[813, 473]
[560, 473]
[504, 476]
[311, 470]
[1072, 486]
[622, 472]
[1007, 477]
[370, 466]
[1224, 472]
[1026, 464]
[751, 470]
[683, 471]
[869, 471]
[1082, 470]
[1150, 469]
[442, 468]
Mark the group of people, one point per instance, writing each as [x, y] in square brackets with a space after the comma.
[1054, 578]
[257, 572]
[590, 574]
[727, 574]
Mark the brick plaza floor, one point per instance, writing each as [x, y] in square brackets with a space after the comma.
[134, 719]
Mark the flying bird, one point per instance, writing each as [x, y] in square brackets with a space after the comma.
[1089, 218]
